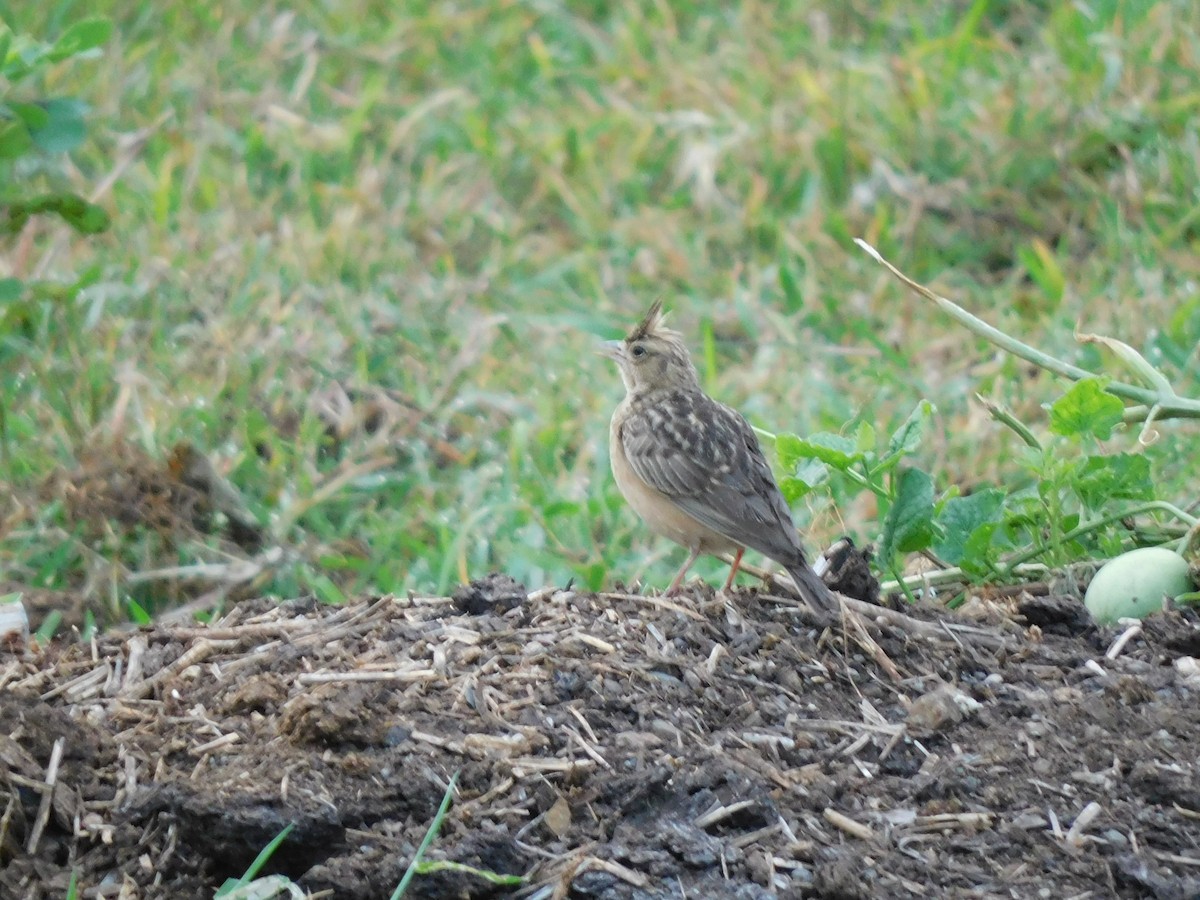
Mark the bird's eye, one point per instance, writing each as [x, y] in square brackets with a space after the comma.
[638, 351]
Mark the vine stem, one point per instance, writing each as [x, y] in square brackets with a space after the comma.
[1165, 404]
[1084, 528]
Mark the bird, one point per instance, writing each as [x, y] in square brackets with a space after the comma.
[692, 468]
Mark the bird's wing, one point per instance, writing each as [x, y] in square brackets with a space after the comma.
[706, 458]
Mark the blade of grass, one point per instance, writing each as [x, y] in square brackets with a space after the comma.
[259, 861]
[430, 834]
[445, 865]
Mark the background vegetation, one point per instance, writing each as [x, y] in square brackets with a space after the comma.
[359, 254]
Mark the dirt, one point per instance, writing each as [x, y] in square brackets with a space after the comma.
[610, 746]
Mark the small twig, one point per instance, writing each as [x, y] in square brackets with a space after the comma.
[1177, 858]
[347, 473]
[587, 748]
[866, 642]
[594, 642]
[199, 652]
[753, 837]
[223, 741]
[848, 825]
[1119, 644]
[1095, 668]
[236, 572]
[656, 601]
[1055, 827]
[722, 812]
[1085, 818]
[404, 676]
[871, 612]
[43, 814]
[226, 576]
[584, 723]
[637, 879]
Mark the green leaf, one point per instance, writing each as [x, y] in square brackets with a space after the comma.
[808, 474]
[1122, 476]
[22, 55]
[1086, 410]
[909, 522]
[11, 290]
[63, 129]
[793, 489]
[833, 449]
[84, 35]
[962, 517]
[864, 438]
[14, 140]
[978, 549]
[789, 450]
[84, 217]
[138, 613]
[908, 436]
[34, 115]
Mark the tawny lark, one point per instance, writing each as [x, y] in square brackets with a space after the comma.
[692, 468]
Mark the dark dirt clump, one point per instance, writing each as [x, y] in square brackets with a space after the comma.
[609, 746]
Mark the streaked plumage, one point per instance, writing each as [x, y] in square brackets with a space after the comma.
[691, 467]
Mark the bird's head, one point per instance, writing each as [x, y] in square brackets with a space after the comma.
[653, 357]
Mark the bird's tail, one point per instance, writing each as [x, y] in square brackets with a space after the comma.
[812, 589]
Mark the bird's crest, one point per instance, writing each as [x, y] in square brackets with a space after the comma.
[653, 323]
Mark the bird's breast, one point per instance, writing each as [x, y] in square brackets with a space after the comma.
[656, 509]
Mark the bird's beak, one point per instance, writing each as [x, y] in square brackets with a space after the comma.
[612, 349]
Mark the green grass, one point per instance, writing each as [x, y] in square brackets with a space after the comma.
[451, 202]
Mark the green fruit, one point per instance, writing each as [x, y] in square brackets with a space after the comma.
[1133, 585]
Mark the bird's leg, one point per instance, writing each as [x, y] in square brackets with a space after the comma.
[733, 569]
[674, 588]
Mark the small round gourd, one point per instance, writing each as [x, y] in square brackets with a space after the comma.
[1132, 585]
